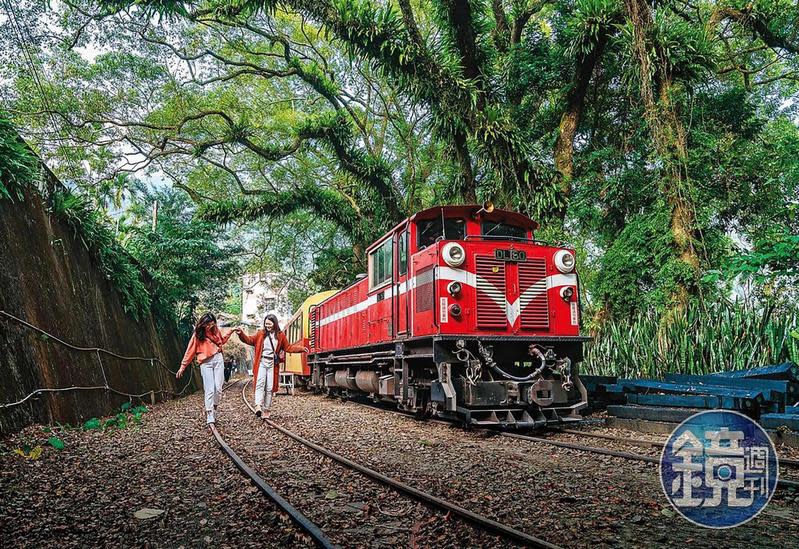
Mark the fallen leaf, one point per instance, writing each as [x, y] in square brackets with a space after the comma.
[147, 513]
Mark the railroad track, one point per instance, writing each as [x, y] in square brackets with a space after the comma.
[788, 462]
[302, 522]
[782, 483]
[482, 522]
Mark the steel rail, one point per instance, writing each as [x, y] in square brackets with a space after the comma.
[584, 448]
[615, 453]
[305, 524]
[642, 442]
[429, 499]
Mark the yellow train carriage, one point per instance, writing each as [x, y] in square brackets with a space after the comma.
[297, 332]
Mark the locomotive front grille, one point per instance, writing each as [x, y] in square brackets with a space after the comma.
[490, 292]
[533, 301]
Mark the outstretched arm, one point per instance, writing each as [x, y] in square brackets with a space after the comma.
[249, 340]
[291, 348]
[226, 335]
[191, 350]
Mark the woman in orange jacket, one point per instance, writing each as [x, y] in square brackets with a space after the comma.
[206, 346]
[269, 342]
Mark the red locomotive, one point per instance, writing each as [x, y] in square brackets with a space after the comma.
[463, 314]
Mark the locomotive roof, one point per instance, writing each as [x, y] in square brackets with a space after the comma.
[466, 211]
[470, 209]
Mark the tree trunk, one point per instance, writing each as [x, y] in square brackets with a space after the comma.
[570, 120]
[670, 139]
[468, 185]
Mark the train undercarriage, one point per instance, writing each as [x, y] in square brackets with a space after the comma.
[508, 381]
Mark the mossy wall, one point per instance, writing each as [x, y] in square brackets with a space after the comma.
[50, 279]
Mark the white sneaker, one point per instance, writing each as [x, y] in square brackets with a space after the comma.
[210, 418]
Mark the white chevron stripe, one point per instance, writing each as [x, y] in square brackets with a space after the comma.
[448, 274]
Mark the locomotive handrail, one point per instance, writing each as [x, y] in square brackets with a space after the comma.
[500, 237]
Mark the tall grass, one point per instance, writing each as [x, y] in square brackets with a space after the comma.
[18, 165]
[722, 336]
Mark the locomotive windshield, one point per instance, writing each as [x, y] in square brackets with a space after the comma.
[497, 229]
[432, 230]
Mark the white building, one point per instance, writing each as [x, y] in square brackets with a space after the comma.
[261, 295]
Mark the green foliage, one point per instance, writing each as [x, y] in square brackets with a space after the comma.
[56, 443]
[699, 340]
[334, 268]
[776, 255]
[186, 263]
[91, 227]
[92, 424]
[18, 166]
[127, 416]
[342, 116]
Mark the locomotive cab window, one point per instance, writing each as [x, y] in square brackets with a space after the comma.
[497, 229]
[380, 264]
[402, 253]
[432, 230]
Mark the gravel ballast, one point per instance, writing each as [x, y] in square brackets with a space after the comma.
[89, 493]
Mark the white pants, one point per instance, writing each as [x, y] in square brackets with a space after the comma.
[265, 381]
[213, 372]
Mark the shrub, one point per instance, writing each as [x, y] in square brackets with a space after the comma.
[18, 165]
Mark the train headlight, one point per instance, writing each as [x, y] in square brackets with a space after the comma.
[566, 293]
[454, 254]
[564, 261]
[455, 310]
[454, 288]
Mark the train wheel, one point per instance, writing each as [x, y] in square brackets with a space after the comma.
[425, 410]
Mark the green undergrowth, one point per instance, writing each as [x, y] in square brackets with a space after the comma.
[721, 336]
[92, 228]
[128, 416]
[18, 165]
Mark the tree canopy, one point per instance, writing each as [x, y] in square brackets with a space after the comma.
[661, 138]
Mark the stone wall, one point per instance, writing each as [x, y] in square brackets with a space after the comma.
[49, 279]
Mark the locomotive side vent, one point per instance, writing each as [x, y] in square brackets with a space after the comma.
[490, 292]
[424, 289]
[312, 330]
[534, 302]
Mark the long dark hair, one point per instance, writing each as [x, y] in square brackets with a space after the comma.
[205, 320]
[275, 323]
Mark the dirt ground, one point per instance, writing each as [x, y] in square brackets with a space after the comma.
[88, 494]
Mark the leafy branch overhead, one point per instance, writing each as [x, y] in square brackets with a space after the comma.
[656, 135]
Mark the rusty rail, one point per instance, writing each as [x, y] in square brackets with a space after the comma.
[788, 462]
[481, 521]
[597, 450]
[615, 453]
[305, 524]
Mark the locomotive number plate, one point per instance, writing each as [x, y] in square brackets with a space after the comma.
[510, 255]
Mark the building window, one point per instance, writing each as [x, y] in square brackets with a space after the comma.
[380, 263]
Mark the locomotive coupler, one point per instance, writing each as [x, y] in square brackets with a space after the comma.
[564, 368]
